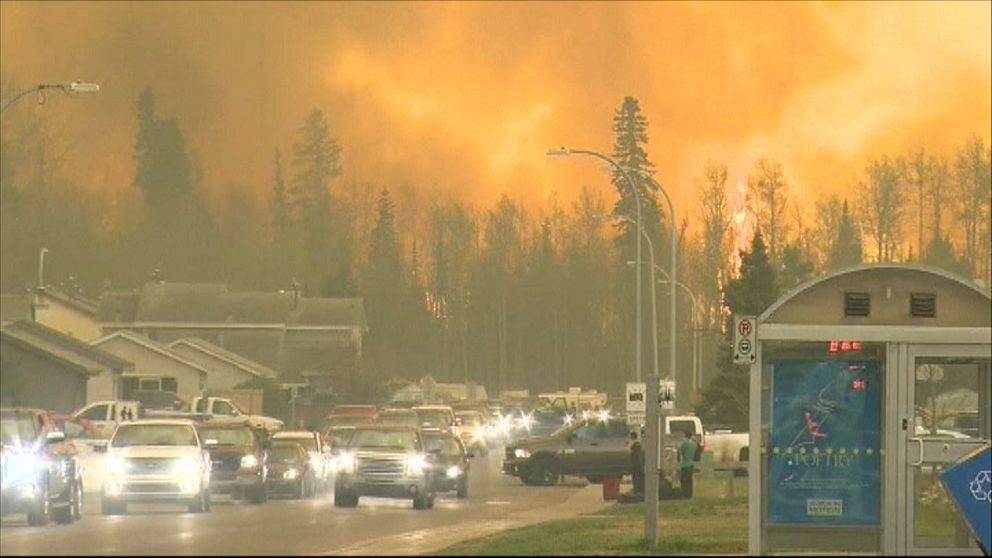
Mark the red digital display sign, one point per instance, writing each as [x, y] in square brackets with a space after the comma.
[845, 346]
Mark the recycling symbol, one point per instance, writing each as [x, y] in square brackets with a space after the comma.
[981, 487]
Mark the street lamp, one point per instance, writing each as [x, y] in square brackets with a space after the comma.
[74, 87]
[653, 449]
[693, 317]
[565, 152]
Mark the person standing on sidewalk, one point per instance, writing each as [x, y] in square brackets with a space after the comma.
[687, 458]
[637, 463]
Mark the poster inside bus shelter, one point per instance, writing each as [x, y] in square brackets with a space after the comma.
[824, 458]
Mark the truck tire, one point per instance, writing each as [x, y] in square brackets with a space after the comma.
[77, 508]
[40, 510]
[545, 471]
[343, 499]
[64, 514]
[109, 506]
[463, 489]
[420, 502]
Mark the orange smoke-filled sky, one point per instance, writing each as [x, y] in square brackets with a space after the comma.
[467, 97]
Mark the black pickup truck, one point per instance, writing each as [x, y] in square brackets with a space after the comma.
[593, 448]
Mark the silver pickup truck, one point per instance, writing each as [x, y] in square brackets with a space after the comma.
[384, 461]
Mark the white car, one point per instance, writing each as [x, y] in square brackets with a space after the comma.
[320, 453]
[156, 461]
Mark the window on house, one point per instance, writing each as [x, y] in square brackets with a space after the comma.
[170, 385]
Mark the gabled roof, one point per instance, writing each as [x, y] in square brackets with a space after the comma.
[14, 307]
[223, 354]
[76, 301]
[53, 344]
[330, 311]
[150, 345]
[211, 303]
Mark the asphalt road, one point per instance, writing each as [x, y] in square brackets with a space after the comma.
[280, 526]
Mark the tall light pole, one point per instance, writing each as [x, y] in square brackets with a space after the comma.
[651, 415]
[654, 299]
[565, 152]
[74, 87]
[693, 308]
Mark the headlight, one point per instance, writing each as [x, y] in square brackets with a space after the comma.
[316, 462]
[416, 464]
[345, 463]
[290, 474]
[604, 415]
[521, 453]
[454, 471]
[527, 421]
[249, 461]
[117, 466]
[19, 467]
[186, 466]
[568, 419]
[479, 435]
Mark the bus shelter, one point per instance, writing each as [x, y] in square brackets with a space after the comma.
[867, 383]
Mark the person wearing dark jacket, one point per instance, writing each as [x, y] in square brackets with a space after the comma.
[637, 463]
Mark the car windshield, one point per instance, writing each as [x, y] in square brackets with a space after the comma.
[432, 417]
[17, 429]
[229, 436]
[446, 444]
[348, 420]
[153, 435]
[472, 419]
[308, 442]
[284, 453]
[397, 439]
[408, 419]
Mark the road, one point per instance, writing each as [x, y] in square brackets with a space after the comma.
[280, 526]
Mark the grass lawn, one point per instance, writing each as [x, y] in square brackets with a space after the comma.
[708, 523]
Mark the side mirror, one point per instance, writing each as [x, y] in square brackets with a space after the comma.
[470, 455]
[100, 446]
[54, 437]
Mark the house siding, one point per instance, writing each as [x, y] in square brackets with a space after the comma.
[68, 320]
[221, 374]
[150, 363]
[30, 380]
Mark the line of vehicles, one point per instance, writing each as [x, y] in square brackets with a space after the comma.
[186, 457]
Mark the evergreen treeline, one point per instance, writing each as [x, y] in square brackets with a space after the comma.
[503, 295]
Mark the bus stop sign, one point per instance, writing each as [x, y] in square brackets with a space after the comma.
[969, 483]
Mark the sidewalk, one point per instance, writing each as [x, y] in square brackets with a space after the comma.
[426, 541]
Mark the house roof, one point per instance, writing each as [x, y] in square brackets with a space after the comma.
[150, 345]
[212, 303]
[14, 307]
[53, 344]
[330, 311]
[221, 353]
[73, 300]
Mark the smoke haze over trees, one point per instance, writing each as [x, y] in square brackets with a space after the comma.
[511, 296]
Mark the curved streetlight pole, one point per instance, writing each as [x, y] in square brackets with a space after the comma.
[695, 345]
[565, 152]
[656, 420]
[74, 87]
[654, 299]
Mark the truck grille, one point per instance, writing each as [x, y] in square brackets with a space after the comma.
[151, 488]
[150, 466]
[373, 466]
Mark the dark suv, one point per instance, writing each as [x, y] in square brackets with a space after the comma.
[39, 471]
[592, 448]
[239, 458]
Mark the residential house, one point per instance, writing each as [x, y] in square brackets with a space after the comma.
[41, 367]
[227, 370]
[307, 340]
[156, 367]
[68, 312]
[14, 308]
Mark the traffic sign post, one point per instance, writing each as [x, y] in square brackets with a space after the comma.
[636, 403]
[744, 339]
[969, 483]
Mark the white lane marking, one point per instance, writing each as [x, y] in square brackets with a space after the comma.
[498, 503]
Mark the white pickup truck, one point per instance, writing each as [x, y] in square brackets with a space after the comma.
[155, 461]
[219, 409]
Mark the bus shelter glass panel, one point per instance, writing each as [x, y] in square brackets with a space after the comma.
[951, 409]
[823, 457]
